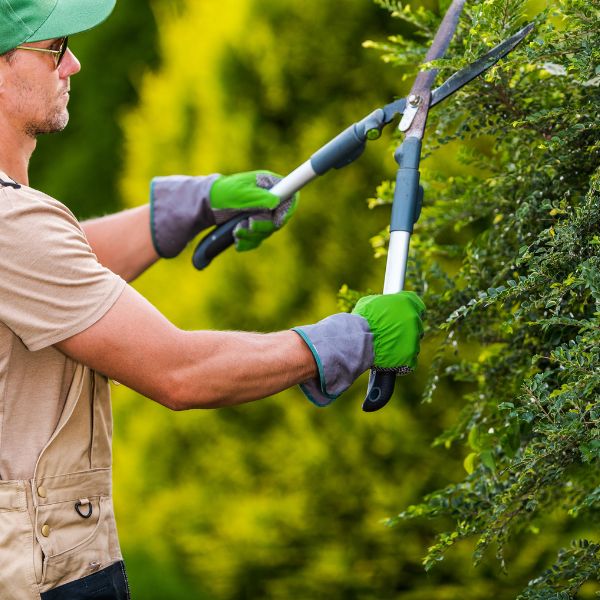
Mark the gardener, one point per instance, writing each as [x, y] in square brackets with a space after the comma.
[69, 321]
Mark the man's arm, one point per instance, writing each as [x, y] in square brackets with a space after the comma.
[136, 345]
[123, 241]
[181, 207]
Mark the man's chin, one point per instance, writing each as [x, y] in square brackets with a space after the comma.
[55, 125]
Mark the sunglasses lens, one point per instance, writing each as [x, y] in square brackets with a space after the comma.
[63, 49]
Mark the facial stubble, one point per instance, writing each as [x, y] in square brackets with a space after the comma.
[55, 118]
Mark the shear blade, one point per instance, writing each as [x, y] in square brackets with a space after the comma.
[462, 77]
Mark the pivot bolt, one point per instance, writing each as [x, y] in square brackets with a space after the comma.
[414, 100]
[373, 134]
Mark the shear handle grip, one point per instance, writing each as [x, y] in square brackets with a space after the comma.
[212, 244]
[380, 390]
[337, 153]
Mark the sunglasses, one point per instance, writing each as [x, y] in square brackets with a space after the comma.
[57, 54]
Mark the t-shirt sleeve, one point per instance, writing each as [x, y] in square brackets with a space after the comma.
[51, 283]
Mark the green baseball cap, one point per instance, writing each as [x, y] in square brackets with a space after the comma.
[24, 21]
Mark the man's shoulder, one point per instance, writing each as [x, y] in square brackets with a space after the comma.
[17, 199]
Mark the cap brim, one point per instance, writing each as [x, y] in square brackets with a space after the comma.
[73, 16]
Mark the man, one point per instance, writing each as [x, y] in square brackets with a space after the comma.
[69, 321]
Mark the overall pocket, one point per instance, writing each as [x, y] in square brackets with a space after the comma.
[77, 544]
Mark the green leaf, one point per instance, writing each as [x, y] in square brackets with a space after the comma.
[487, 459]
[469, 462]
[474, 438]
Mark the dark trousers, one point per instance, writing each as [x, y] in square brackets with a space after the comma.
[107, 584]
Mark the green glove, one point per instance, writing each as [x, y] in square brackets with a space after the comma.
[248, 193]
[182, 206]
[391, 318]
[383, 331]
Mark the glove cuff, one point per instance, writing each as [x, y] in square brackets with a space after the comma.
[179, 210]
[342, 346]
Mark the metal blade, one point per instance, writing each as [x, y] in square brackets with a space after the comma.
[392, 109]
[462, 77]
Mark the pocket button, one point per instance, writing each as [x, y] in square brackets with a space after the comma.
[46, 530]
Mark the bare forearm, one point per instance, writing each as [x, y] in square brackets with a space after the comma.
[227, 368]
[136, 345]
[122, 241]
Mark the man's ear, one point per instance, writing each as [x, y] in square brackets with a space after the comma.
[3, 68]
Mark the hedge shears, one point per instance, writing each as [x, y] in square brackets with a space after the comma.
[346, 147]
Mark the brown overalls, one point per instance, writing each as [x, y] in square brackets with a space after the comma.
[47, 538]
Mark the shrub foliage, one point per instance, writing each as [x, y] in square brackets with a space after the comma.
[507, 254]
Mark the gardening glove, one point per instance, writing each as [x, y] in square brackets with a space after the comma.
[182, 206]
[382, 331]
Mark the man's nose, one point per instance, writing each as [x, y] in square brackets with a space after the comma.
[69, 65]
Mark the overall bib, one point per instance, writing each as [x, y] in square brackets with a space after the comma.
[59, 526]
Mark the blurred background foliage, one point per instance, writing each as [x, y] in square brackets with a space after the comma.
[275, 499]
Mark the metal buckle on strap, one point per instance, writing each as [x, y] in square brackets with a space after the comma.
[79, 504]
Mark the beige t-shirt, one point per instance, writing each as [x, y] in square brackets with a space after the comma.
[51, 287]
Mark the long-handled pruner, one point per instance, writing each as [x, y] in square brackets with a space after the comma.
[408, 196]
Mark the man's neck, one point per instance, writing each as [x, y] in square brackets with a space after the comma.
[16, 149]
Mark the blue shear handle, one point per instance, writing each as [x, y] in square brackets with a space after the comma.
[380, 390]
[218, 240]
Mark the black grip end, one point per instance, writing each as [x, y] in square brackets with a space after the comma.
[212, 244]
[380, 390]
